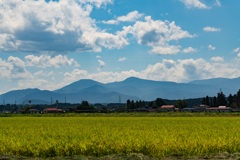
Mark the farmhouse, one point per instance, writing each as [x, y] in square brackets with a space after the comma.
[219, 109]
[52, 110]
[166, 108]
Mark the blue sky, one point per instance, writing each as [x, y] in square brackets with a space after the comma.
[49, 44]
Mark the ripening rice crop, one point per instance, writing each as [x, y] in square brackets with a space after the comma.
[99, 136]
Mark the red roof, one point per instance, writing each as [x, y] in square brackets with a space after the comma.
[167, 106]
[52, 109]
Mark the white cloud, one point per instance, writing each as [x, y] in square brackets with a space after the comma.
[97, 3]
[217, 59]
[190, 69]
[53, 26]
[44, 61]
[210, 47]
[158, 35]
[101, 63]
[98, 57]
[39, 73]
[167, 49]
[211, 29]
[195, 4]
[13, 68]
[189, 50]
[130, 17]
[218, 3]
[167, 70]
[103, 77]
[236, 50]
[43, 84]
[110, 22]
[121, 59]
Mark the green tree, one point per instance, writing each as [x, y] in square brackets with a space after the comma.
[85, 104]
[132, 105]
[230, 100]
[221, 99]
[159, 102]
[206, 101]
[180, 104]
[238, 98]
[128, 104]
[214, 101]
[203, 101]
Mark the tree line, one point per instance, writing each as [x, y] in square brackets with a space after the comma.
[232, 101]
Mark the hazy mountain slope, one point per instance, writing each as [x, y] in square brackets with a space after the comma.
[98, 94]
[131, 88]
[226, 85]
[16, 95]
[77, 86]
[45, 97]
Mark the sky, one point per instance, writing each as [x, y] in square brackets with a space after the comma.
[48, 44]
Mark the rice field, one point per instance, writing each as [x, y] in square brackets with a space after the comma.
[99, 136]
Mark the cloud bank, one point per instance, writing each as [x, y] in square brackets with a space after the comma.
[33, 26]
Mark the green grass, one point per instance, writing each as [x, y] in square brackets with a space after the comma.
[107, 135]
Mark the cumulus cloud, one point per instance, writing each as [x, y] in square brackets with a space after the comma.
[211, 29]
[194, 4]
[112, 21]
[13, 68]
[130, 17]
[44, 61]
[41, 83]
[166, 70]
[53, 26]
[181, 70]
[190, 69]
[189, 50]
[121, 59]
[211, 48]
[103, 77]
[158, 35]
[217, 59]
[236, 50]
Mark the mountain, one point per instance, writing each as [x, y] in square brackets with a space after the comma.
[17, 95]
[132, 88]
[78, 86]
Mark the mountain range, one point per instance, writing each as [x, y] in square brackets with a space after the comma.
[132, 88]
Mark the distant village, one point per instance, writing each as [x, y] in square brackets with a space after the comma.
[219, 103]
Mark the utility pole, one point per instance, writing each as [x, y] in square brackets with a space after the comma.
[119, 99]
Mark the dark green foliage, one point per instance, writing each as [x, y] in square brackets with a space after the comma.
[221, 99]
[181, 104]
[159, 102]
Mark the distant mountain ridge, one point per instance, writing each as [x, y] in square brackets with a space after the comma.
[132, 88]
